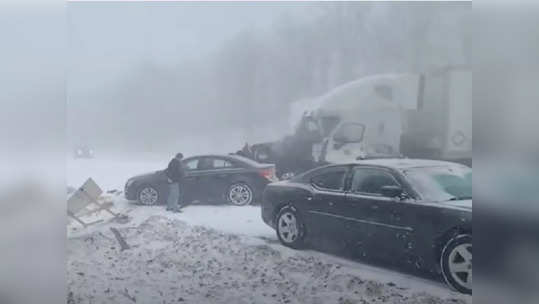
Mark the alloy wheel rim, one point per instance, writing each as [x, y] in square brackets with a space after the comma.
[240, 195]
[148, 196]
[288, 227]
[460, 265]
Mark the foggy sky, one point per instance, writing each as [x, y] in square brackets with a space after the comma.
[157, 77]
[107, 40]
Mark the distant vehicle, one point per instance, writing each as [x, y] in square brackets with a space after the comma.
[411, 211]
[209, 178]
[83, 152]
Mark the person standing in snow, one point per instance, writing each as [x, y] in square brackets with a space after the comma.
[176, 174]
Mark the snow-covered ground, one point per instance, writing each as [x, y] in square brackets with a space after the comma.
[214, 254]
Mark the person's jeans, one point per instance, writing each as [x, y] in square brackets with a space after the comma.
[180, 196]
[173, 196]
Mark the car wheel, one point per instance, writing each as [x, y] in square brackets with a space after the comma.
[148, 195]
[290, 228]
[240, 194]
[456, 263]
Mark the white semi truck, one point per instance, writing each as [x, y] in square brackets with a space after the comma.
[426, 115]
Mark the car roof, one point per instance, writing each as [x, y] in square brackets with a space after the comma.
[209, 155]
[398, 164]
[405, 163]
[229, 156]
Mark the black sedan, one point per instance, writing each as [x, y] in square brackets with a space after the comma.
[209, 178]
[411, 211]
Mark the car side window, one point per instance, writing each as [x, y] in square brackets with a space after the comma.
[370, 181]
[205, 163]
[349, 133]
[333, 180]
[219, 163]
[191, 164]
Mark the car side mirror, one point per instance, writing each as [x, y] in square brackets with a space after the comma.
[391, 191]
[340, 138]
[338, 145]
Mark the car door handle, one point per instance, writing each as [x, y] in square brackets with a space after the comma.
[309, 198]
[374, 207]
[331, 203]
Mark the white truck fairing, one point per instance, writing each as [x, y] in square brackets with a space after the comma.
[425, 115]
[376, 102]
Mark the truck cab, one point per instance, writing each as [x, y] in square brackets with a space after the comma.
[366, 118]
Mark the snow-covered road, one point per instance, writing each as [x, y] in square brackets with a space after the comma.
[217, 254]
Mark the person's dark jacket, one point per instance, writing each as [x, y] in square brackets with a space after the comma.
[175, 171]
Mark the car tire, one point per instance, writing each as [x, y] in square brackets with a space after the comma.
[148, 195]
[456, 263]
[290, 228]
[240, 194]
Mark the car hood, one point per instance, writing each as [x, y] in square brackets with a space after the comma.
[460, 205]
[145, 176]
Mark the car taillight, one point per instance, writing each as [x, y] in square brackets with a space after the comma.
[268, 173]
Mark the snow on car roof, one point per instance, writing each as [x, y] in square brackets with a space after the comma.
[245, 160]
[404, 163]
[232, 156]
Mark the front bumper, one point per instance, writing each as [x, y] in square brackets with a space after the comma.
[130, 192]
[267, 215]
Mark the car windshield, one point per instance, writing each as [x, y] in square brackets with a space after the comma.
[442, 183]
[349, 133]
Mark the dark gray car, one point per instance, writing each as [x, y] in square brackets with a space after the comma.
[209, 178]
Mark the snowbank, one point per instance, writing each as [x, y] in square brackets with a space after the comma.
[171, 261]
